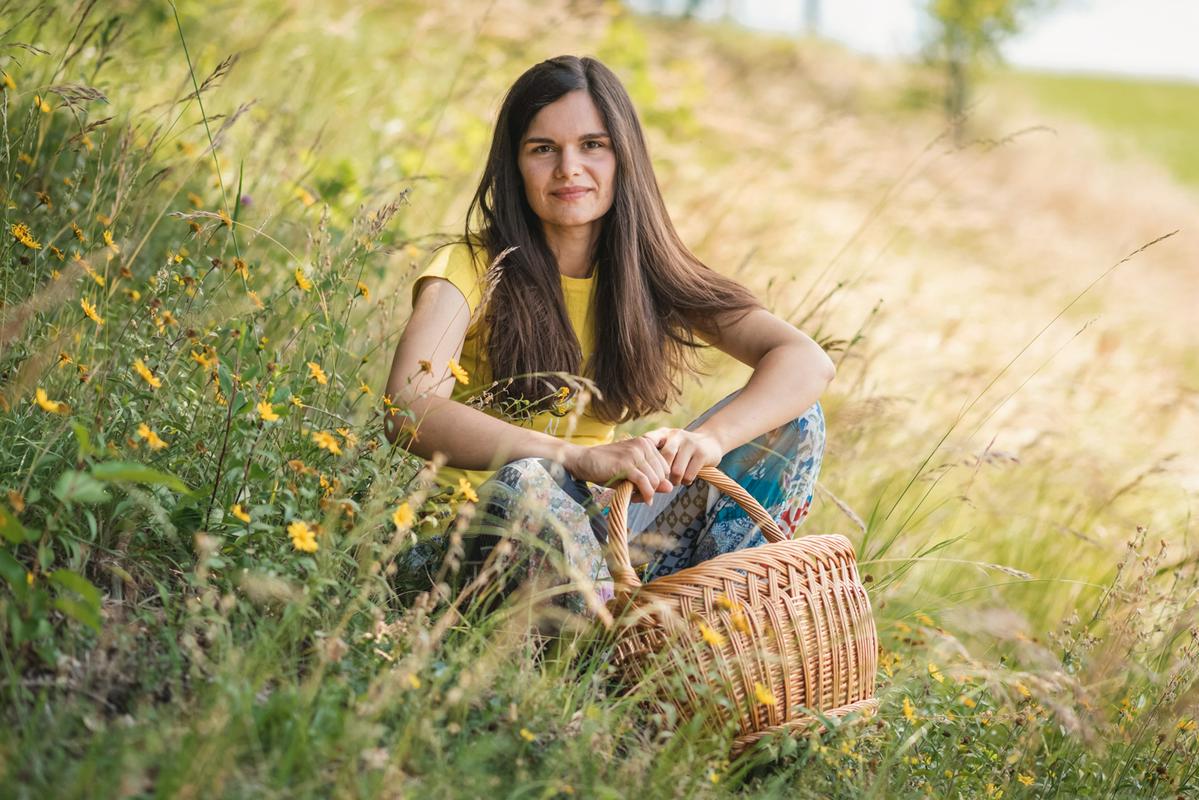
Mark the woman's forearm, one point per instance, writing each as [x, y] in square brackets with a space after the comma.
[471, 438]
[784, 384]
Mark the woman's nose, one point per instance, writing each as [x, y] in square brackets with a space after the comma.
[568, 164]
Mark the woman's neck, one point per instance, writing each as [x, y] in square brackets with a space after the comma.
[573, 247]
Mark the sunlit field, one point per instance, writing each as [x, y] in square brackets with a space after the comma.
[211, 224]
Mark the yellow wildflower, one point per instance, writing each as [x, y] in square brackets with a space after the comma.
[104, 219]
[296, 401]
[711, 635]
[467, 490]
[1185, 725]
[402, 516]
[304, 196]
[764, 695]
[52, 406]
[22, 234]
[60, 255]
[925, 619]
[257, 300]
[968, 702]
[195, 199]
[364, 291]
[241, 267]
[140, 367]
[327, 441]
[226, 220]
[78, 232]
[267, 411]
[97, 277]
[350, 437]
[528, 735]
[206, 359]
[108, 240]
[909, 710]
[362, 387]
[935, 673]
[239, 512]
[16, 500]
[302, 281]
[458, 372]
[40, 104]
[303, 538]
[413, 681]
[318, 374]
[6, 81]
[90, 311]
[1027, 780]
[152, 439]
[1023, 690]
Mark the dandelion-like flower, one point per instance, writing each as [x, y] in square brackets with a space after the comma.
[40, 104]
[711, 635]
[402, 516]
[326, 441]
[206, 359]
[51, 406]
[226, 220]
[266, 411]
[764, 695]
[90, 312]
[528, 735]
[304, 196]
[78, 232]
[364, 291]
[366, 390]
[6, 81]
[1027, 780]
[151, 438]
[317, 374]
[302, 281]
[935, 673]
[110, 243]
[909, 710]
[467, 490]
[239, 512]
[303, 537]
[141, 369]
[20, 231]
[458, 372]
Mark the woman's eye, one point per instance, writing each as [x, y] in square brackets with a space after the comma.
[541, 148]
[595, 142]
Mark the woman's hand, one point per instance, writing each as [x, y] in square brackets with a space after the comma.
[636, 460]
[686, 452]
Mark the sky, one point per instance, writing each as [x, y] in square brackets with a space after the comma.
[1158, 38]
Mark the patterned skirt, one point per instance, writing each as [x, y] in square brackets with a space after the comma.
[555, 526]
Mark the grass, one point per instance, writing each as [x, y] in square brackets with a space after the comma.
[1157, 118]
[1001, 459]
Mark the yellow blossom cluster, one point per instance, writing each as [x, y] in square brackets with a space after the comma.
[151, 438]
[303, 536]
[20, 231]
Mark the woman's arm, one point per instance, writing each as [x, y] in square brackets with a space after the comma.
[790, 373]
[468, 437]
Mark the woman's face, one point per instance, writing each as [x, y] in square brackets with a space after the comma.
[567, 162]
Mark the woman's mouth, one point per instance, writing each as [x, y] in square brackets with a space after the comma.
[570, 194]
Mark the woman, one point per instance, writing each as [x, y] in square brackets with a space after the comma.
[570, 266]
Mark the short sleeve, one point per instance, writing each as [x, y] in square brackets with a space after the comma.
[454, 263]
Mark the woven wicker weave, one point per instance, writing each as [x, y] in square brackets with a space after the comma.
[788, 620]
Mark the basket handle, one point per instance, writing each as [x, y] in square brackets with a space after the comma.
[624, 579]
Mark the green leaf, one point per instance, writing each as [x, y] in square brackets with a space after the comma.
[77, 584]
[79, 611]
[12, 571]
[85, 440]
[11, 529]
[79, 487]
[138, 473]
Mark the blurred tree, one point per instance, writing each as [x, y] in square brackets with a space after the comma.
[966, 31]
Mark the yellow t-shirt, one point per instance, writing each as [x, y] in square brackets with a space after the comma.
[453, 262]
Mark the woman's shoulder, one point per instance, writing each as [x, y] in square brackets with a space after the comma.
[461, 263]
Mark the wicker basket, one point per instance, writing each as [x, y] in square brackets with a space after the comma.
[788, 621]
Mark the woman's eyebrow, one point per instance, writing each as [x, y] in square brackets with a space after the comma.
[544, 140]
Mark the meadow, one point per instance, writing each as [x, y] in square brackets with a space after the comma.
[211, 223]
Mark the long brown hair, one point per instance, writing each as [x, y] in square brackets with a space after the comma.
[649, 286]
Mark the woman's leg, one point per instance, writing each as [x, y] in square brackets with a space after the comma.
[553, 527]
[779, 468]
